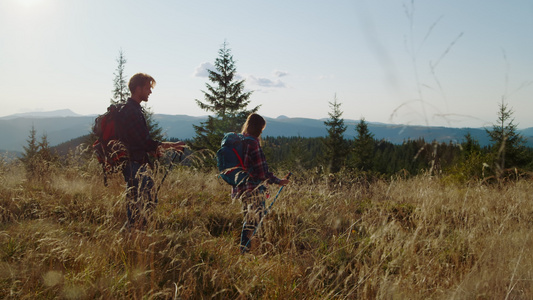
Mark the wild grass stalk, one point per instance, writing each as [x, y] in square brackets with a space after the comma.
[325, 237]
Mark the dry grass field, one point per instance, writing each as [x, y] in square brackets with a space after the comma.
[62, 236]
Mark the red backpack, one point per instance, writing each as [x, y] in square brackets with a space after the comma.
[110, 151]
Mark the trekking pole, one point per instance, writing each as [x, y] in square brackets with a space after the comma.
[272, 203]
[266, 212]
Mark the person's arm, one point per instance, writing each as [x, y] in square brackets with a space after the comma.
[177, 146]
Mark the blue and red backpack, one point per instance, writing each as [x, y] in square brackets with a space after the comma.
[230, 158]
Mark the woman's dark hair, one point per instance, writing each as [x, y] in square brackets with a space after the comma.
[254, 125]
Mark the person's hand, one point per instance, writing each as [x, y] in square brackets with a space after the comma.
[285, 179]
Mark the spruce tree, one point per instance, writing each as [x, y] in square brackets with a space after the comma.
[470, 162]
[508, 146]
[470, 146]
[45, 153]
[226, 98]
[46, 156]
[30, 157]
[121, 93]
[336, 145]
[363, 147]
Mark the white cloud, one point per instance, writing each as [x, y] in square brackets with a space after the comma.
[201, 70]
[324, 77]
[279, 73]
[265, 82]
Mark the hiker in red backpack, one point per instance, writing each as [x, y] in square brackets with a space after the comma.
[140, 198]
[252, 192]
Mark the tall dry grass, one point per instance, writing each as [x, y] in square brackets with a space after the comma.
[419, 238]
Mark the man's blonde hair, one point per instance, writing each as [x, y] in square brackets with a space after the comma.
[139, 80]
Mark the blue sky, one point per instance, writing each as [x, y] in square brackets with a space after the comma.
[433, 62]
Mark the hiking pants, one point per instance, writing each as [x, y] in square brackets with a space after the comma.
[253, 208]
[140, 202]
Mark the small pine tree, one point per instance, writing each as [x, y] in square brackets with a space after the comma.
[336, 145]
[45, 153]
[470, 146]
[121, 92]
[363, 147]
[46, 156]
[472, 161]
[31, 152]
[508, 145]
[227, 100]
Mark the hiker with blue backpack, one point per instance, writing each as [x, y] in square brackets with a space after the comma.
[140, 197]
[252, 191]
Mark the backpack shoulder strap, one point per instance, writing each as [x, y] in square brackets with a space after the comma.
[239, 158]
[248, 138]
[120, 121]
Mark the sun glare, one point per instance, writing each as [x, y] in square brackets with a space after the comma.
[29, 2]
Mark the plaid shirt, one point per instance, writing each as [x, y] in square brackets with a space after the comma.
[255, 162]
[136, 134]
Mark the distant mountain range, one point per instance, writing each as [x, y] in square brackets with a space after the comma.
[64, 125]
[43, 114]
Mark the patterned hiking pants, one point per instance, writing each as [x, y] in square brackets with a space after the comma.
[253, 208]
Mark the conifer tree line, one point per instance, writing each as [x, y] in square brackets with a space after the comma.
[226, 98]
[364, 154]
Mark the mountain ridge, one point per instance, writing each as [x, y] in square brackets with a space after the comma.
[15, 129]
[43, 114]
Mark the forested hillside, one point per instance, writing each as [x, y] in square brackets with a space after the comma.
[13, 132]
